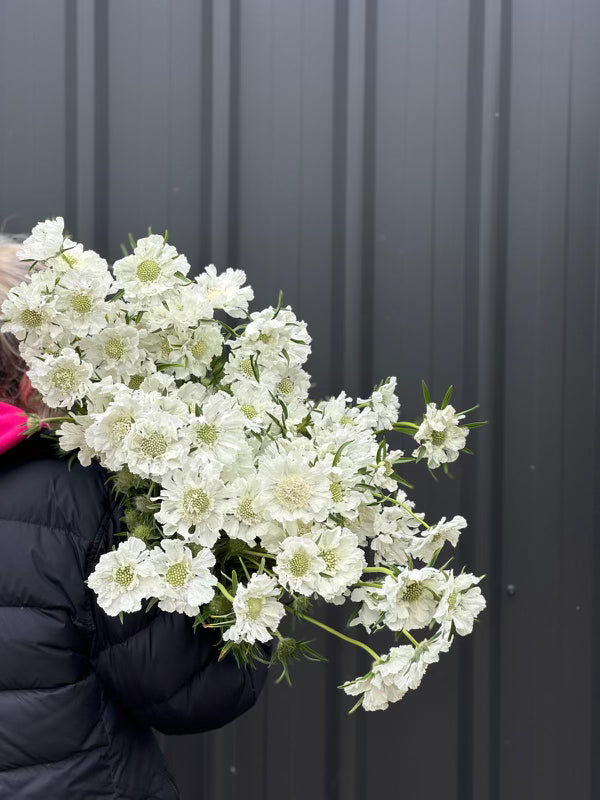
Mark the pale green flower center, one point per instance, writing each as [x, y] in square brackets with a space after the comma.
[206, 434]
[32, 318]
[293, 492]
[123, 575]
[265, 338]
[452, 600]
[330, 558]
[299, 564]
[153, 445]
[120, 428]
[148, 271]
[70, 258]
[246, 367]
[214, 292]
[413, 592]
[345, 420]
[114, 348]
[65, 378]
[135, 381]
[285, 386]
[438, 438]
[177, 575]
[249, 411]
[82, 303]
[199, 349]
[246, 510]
[337, 491]
[254, 607]
[165, 347]
[196, 502]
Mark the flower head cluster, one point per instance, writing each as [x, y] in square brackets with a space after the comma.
[243, 498]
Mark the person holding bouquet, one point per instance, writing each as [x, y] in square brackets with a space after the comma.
[81, 690]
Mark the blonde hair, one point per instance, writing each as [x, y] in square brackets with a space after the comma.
[14, 385]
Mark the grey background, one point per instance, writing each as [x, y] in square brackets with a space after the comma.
[421, 177]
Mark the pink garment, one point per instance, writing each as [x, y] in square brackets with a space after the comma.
[13, 426]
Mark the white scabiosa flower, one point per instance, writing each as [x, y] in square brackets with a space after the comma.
[384, 404]
[431, 540]
[226, 291]
[80, 299]
[386, 682]
[29, 312]
[243, 520]
[154, 445]
[395, 673]
[71, 436]
[292, 489]
[299, 565]
[182, 582]
[200, 346]
[123, 577]
[460, 604]
[394, 529]
[344, 562]
[192, 505]
[270, 333]
[255, 402]
[107, 433]
[372, 607]
[411, 599]
[62, 379]
[218, 432]
[149, 272]
[439, 436]
[288, 382]
[257, 611]
[45, 241]
[114, 351]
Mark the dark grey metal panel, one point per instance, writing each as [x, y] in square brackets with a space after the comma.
[422, 180]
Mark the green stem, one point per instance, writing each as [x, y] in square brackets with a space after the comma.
[364, 646]
[379, 569]
[224, 592]
[404, 506]
[409, 637]
[55, 419]
[406, 424]
[369, 585]
[259, 554]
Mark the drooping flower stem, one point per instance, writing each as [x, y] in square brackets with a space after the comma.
[364, 646]
[410, 638]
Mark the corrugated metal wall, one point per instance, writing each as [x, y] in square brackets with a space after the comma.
[421, 177]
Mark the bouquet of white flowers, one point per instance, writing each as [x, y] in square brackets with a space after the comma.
[243, 499]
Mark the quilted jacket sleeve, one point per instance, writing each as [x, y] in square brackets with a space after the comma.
[167, 676]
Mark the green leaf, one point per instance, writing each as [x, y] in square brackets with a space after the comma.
[132, 241]
[279, 301]
[183, 277]
[255, 368]
[447, 396]
[166, 236]
[338, 455]
[124, 250]
[475, 424]
[426, 394]
[468, 410]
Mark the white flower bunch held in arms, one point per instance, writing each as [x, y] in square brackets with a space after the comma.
[244, 501]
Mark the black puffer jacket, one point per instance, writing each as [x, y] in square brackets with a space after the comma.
[79, 690]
